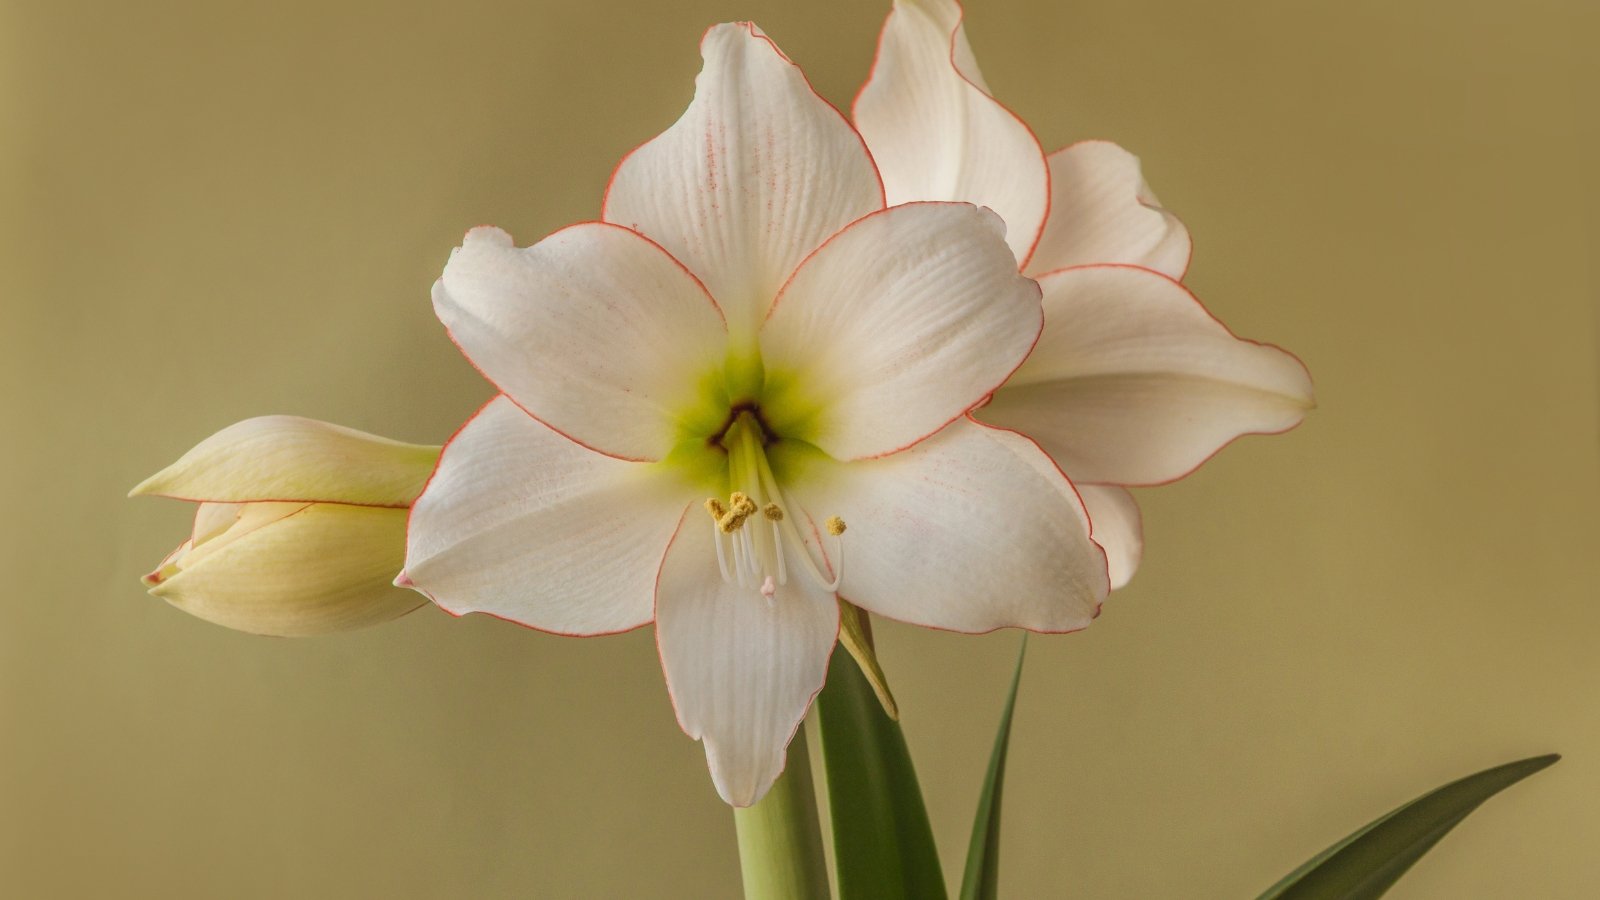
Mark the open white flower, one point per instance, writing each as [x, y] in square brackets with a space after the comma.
[1133, 381]
[699, 392]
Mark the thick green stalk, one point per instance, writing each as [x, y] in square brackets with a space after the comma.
[780, 838]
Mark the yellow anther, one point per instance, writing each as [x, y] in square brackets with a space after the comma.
[773, 512]
[731, 515]
[835, 526]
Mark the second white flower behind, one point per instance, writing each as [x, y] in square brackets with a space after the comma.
[1133, 382]
[741, 395]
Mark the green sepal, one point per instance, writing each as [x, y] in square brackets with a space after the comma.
[856, 637]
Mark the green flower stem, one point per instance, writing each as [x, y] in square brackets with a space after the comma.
[780, 838]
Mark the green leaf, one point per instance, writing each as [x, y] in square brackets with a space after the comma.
[883, 845]
[983, 852]
[1367, 863]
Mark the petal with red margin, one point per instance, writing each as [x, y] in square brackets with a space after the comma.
[895, 327]
[1103, 211]
[1133, 382]
[971, 530]
[757, 173]
[525, 525]
[1116, 527]
[935, 131]
[742, 669]
[595, 331]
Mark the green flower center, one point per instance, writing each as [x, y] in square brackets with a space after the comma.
[743, 400]
[747, 436]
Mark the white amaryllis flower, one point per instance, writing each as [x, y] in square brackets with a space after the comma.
[1133, 382]
[299, 529]
[700, 391]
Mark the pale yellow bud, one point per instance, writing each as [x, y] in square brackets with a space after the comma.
[300, 528]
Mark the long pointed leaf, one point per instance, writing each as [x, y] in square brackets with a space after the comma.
[982, 878]
[1367, 863]
[883, 845]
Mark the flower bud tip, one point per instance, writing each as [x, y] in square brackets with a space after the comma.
[143, 487]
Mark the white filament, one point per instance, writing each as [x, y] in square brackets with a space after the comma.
[760, 555]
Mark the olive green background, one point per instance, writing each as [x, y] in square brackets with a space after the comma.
[218, 210]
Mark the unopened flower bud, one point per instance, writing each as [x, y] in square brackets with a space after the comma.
[299, 530]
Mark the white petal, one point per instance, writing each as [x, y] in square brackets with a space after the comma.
[291, 458]
[1115, 523]
[1102, 211]
[757, 173]
[895, 327]
[935, 131]
[1134, 383]
[323, 568]
[742, 670]
[594, 330]
[971, 530]
[523, 524]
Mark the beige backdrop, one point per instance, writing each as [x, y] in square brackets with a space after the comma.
[218, 210]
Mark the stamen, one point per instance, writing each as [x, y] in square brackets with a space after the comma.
[751, 566]
[777, 543]
[769, 483]
[838, 556]
[722, 556]
[739, 509]
[760, 556]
